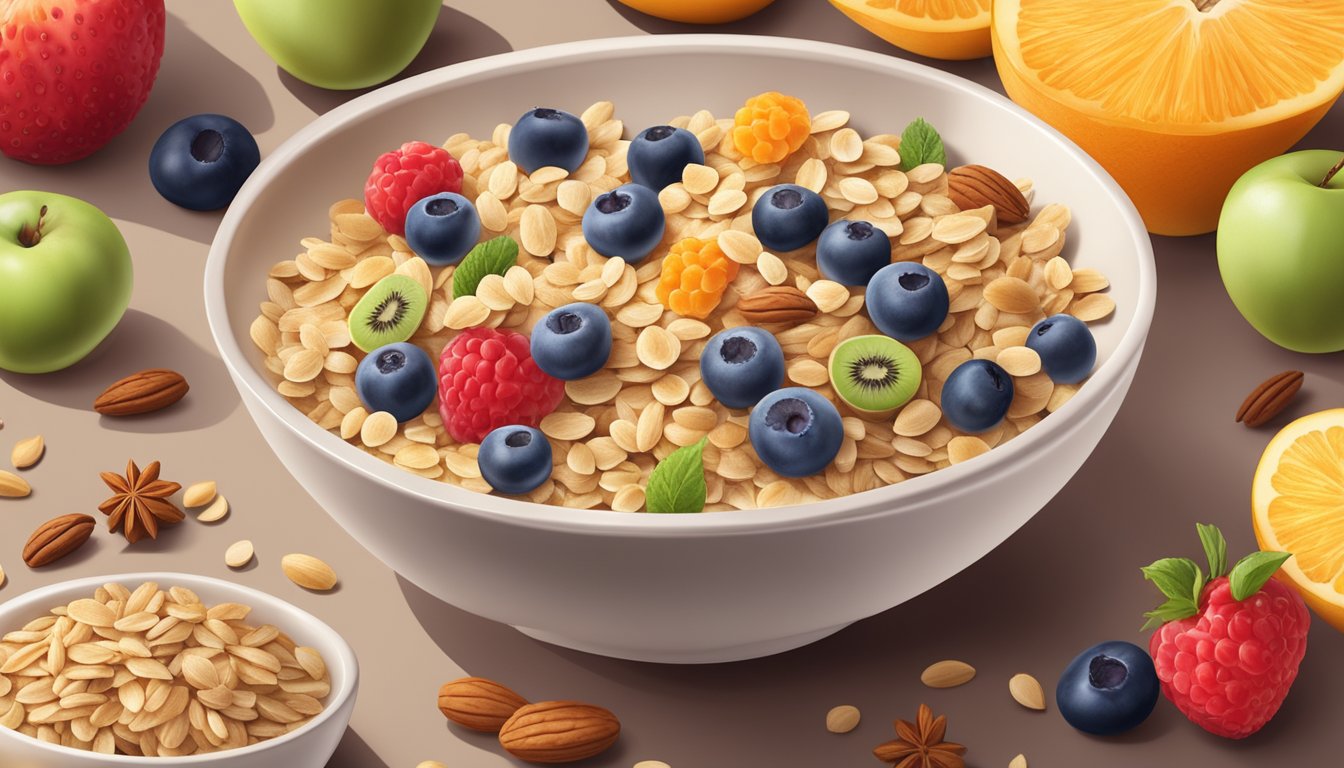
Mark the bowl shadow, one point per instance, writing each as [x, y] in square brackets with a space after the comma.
[354, 752]
[116, 178]
[456, 37]
[125, 351]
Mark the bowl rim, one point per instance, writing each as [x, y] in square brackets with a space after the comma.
[1112, 374]
[40, 598]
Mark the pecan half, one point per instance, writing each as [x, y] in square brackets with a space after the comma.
[1270, 398]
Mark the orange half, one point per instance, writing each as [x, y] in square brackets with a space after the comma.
[1176, 98]
[1297, 502]
[941, 29]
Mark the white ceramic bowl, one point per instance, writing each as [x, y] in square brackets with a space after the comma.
[308, 747]
[678, 588]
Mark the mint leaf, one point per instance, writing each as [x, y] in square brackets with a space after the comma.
[677, 484]
[1215, 548]
[920, 144]
[1253, 570]
[493, 257]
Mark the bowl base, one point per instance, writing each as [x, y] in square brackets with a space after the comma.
[742, 652]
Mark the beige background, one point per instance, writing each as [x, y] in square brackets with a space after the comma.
[1068, 579]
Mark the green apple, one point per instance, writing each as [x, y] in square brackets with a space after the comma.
[65, 280]
[340, 44]
[1281, 249]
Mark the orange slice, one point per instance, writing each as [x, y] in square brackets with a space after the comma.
[942, 29]
[1176, 98]
[1297, 502]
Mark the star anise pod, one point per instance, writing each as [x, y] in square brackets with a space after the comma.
[139, 502]
[920, 744]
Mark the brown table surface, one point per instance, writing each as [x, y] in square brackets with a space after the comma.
[1068, 579]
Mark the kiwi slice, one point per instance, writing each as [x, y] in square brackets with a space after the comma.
[390, 312]
[874, 375]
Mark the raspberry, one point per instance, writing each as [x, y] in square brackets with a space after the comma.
[487, 380]
[404, 177]
[771, 127]
[1229, 668]
[695, 274]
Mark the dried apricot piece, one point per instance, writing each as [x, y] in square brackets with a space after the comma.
[770, 127]
[695, 274]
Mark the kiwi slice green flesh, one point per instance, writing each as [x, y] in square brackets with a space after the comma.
[389, 312]
[874, 375]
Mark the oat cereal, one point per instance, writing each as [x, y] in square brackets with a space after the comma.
[613, 427]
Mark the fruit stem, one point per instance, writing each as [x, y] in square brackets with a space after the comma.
[31, 234]
[1331, 174]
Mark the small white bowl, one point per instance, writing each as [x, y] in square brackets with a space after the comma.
[308, 747]
[679, 588]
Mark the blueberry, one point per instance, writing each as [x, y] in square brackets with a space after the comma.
[788, 216]
[796, 431]
[1066, 347]
[543, 137]
[907, 301]
[572, 341]
[1109, 688]
[515, 459]
[201, 161]
[976, 395]
[658, 155]
[398, 378]
[851, 252]
[741, 365]
[627, 222]
[442, 228]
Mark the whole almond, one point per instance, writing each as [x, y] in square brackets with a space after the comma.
[777, 304]
[27, 452]
[308, 572]
[559, 732]
[57, 538]
[478, 703]
[12, 486]
[975, 186]
[1269, 398]
[142, 392]
[1026, 690]
[947, 674]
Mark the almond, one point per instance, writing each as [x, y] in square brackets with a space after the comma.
[308, 572]
[479, 704]
[777, 304]
[27, 452]
[12, 486]
[57, 538]
[142, 392]
[975, 186]
[559, 732]
[1026, 690]
[947, 674]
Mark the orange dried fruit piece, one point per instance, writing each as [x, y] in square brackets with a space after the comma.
[770, 127]
[695, 274]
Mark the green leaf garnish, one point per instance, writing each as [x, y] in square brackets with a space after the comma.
[1215, 548]
[920, 144]
[677, 484]
[1253, 570]
[493, 257]
[1181, 581]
